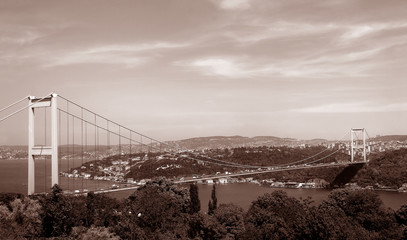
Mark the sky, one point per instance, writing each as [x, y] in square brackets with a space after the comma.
[179, 69]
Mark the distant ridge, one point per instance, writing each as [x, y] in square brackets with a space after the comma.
[239, 141]
[229, 142]
[390, 138]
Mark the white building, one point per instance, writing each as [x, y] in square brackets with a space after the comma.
[223, 180]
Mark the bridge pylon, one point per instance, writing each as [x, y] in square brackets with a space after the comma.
[34, 150]
[357, 145]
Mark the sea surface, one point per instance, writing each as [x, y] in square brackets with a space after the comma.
[13, 178]
[243, 194]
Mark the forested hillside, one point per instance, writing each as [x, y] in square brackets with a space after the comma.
[386, 169]
[254, 156]
[162, 210]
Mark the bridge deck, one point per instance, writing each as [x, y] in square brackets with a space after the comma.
[298, 167]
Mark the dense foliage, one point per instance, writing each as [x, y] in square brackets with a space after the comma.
[170, 167]
[387, 169]
[162, 210]
[384, 170]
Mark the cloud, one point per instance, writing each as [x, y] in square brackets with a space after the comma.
[134, 47]
[244, 67]
[233, 4]
[128, 55]
[20, 38]
[221, 67]
[263, 30]
[359, 31]
[104, 58]
[354, 107]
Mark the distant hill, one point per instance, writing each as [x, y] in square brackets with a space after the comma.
[388, 138]
[224, 142]
[239, 141]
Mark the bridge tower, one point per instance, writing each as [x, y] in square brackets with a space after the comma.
[356, 144]
[34, 150]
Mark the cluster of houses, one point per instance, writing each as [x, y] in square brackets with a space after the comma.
[114, 172]
[377, 186]
[11, 153]
[403, 188]
[379, 146]
[226, 180]
[312, 183]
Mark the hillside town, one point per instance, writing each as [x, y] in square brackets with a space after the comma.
[377, 144]
[123, 169]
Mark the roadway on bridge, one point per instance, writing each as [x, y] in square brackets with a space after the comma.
[249, 172]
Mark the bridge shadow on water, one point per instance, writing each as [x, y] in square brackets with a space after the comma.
[346, 175]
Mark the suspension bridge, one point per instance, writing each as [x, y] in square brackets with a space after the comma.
[72, 139]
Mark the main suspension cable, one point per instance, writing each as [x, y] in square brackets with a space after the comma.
[178, 150]
[228, 164]
[13, 104]
[21, 109]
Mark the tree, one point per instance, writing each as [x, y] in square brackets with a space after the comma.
[101, 210]
[231, 218]
[213, 203]
[22, 221]
[5, 222]
[7, 198]
[160, 209]
[329, 222]
[401, 216]
[275, 216]
[203, 226]
[195, 202]
[92, 233]
[366, 209]
[58, 214]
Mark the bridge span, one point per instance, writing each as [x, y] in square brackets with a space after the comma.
[250, 172]
[77, 132]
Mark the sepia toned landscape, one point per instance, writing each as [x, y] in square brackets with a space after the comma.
[205, 119]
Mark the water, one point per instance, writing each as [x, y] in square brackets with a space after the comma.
[242, 194]
[13, 178]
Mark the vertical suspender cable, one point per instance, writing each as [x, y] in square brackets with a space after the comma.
[120, 143]
[97, 142]
[45, 126]
[45, 144]
[86, 148]
[120, 150]
[60, 144]
[95, 149]
[67, 140]
[73, 150]
[82, 146]
[130, 143]
[107, 136]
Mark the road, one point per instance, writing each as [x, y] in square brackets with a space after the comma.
[191, 179]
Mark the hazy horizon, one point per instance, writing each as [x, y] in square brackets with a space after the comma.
[182, 69]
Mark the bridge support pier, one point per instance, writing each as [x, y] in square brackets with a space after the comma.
[34, 150]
